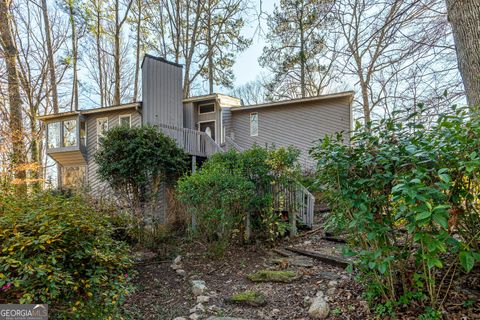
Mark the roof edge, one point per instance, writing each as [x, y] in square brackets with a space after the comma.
[300, 100]
[161, 59]
[90, 111]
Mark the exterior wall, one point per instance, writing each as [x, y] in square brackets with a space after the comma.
[96, 186]
[162, 92]
[299, 124]
[213, 116]
[226, 122]
[189, 115]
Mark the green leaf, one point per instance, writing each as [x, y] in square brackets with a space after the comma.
[441, 220]
[434, 262]
[423, 215]
[467, 260]
[444, 177]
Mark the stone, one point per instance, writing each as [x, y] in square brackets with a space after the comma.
[224, 318]
[175, 266]
[177, 260]
[319, 308]
[198, 308]
[332, 283]
[296, 261]
[181, 272]
[194, 316]
[198, 287]
[273, 276]
[331, 291]
[203, 299]
[180, 318]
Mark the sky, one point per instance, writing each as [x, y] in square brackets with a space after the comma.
[246, 67]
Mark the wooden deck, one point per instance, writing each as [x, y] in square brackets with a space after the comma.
[195, 143]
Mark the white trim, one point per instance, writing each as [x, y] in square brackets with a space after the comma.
[250, 122]
[125, 116]
[206, 104]
[97, 132]
[214, 126]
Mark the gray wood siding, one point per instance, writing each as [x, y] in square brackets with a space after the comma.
[299, 124]
[97, 187]
[189, 115]
[162, 93]
[226, 122]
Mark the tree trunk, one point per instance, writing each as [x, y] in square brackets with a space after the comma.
[74, 102]
[464, 16]
[137, 62]
[210, 48]
[98, 9]
[302, 58]
[116, 57]
[51, 64]
[15, 102]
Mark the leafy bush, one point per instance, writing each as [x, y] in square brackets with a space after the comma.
[60, 251]
[407, 194]
[232, 186]
[135, 161]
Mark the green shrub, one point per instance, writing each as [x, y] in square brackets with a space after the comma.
[232, 186]
[135, 161]
[407, 194]
[60, 251]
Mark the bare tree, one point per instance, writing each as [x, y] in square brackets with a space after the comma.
[252, 92]
[119, 21]
[51, 63]
[464, 16]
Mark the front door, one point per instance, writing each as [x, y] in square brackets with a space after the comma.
[208, 128]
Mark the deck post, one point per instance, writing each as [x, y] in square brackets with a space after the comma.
[194, 169]
[248, 228]
[292, 217]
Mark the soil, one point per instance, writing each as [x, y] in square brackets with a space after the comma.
[163, 294]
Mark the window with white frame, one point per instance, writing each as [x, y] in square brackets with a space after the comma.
[53, 135]
[254, 124]
[206, 108]
[102, 128]
[125, 120]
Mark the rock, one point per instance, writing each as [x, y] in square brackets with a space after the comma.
[198, 287]
[319, 308]
[296, 261]
[307, 243]
[203, 299]
[181, 272]
[175, 266]
[251, 298]
[180, 318]
[198, 308]
[330, 291]
[332, 283]
[194, 316]
[177, 260]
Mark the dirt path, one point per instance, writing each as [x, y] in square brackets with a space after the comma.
[163, 294]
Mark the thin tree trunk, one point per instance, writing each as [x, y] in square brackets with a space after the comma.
[302, 56]
[74, 102]
[15, 102]
[464, 16]
[51, 64]
[98, 9]
[137, 62]
[116, 57]
[210, 48]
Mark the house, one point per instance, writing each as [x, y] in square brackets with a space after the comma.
[201, 125]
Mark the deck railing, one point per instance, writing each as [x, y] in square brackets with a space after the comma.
[294, 199]
[194, 142]
[231, 144]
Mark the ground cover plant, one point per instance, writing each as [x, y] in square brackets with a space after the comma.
[59, 250]
[232, 188]
[407, 194]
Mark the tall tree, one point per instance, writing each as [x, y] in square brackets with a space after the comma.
[51, 63]
[72, 13]
[295, 45]
[464, 16]
[10, 53]
[119, 21]
[138, 38]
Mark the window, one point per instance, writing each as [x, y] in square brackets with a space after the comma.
[102, 128]
[53, 135]
[83, 133]
[69, 133]
[254, 124]
[206, 108]
[125, 120]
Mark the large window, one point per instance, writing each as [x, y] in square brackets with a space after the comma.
[69, 133]
[53, 132]
[254, 124]
[102, 128]
[206, 108]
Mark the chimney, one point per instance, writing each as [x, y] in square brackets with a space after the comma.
[162, 93]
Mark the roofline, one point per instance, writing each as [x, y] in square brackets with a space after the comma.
[125, 106]
[209, 97]
[161, 59]
[300, 100]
